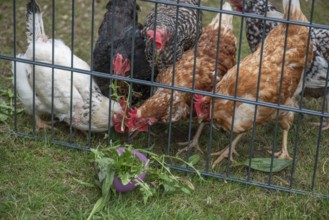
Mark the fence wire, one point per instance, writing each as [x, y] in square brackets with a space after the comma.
[168, 131]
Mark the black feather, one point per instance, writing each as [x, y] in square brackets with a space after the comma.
[141, 68]
[32, 8]
[122, 13]
[123, 32]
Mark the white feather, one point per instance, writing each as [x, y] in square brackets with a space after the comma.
[274, 14]
[38, 29]
[294, 6]
[61, 89]
[319, 80]
[24, 88]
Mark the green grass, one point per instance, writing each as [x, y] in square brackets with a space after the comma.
[37, 182]
[37, 177]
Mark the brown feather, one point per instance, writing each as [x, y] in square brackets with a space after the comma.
[269, 88]
[158, 106]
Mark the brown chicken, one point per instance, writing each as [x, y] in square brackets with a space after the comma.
[157, 107]
[316, 75]
[269, 88]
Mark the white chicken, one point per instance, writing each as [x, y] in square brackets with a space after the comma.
[81, 99]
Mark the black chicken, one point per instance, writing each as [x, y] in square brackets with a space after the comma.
[189, 22]
[124, 26]
[316, 74]
[141, 68]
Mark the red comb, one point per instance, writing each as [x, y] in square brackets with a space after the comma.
[150, 34]
[133, 112]
[198, 98]
[120, 66]
[158, 38]
[237, 4]
[117, 63]
[131, 117]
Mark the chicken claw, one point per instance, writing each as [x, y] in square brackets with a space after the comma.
[194, 143]
[283, 153]
[325, 124]
[224, 154]
[191, 144]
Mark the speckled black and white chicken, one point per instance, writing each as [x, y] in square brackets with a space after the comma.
[316, 74]
[164, 35]
[42, 78]
[115, 35]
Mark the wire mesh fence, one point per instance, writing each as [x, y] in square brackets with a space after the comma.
[77, 23]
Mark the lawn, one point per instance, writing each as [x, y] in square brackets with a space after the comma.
[39, 178]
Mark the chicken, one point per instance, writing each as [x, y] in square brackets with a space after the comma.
[141, 68]
[157, 107]
[270, 89]
[116, 36]
[164, 35]
[316, 74]
[42, 78]
[255, 26]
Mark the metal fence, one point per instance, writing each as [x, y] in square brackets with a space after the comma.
[309, 146]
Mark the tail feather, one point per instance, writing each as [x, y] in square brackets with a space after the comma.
[33, 8]
[295, 12]
[227, 19]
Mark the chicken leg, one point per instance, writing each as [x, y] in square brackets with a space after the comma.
[225, 152]
[194, 143]
[283, 154]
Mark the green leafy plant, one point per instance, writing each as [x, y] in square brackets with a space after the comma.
[264, 164]
[115, 95]
[127, 167]
[114, 86]
[7, 110]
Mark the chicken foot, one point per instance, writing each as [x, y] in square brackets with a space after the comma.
[194, 143]
[283, 154]
[325, 123]
[41, 124]
[225, 152]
